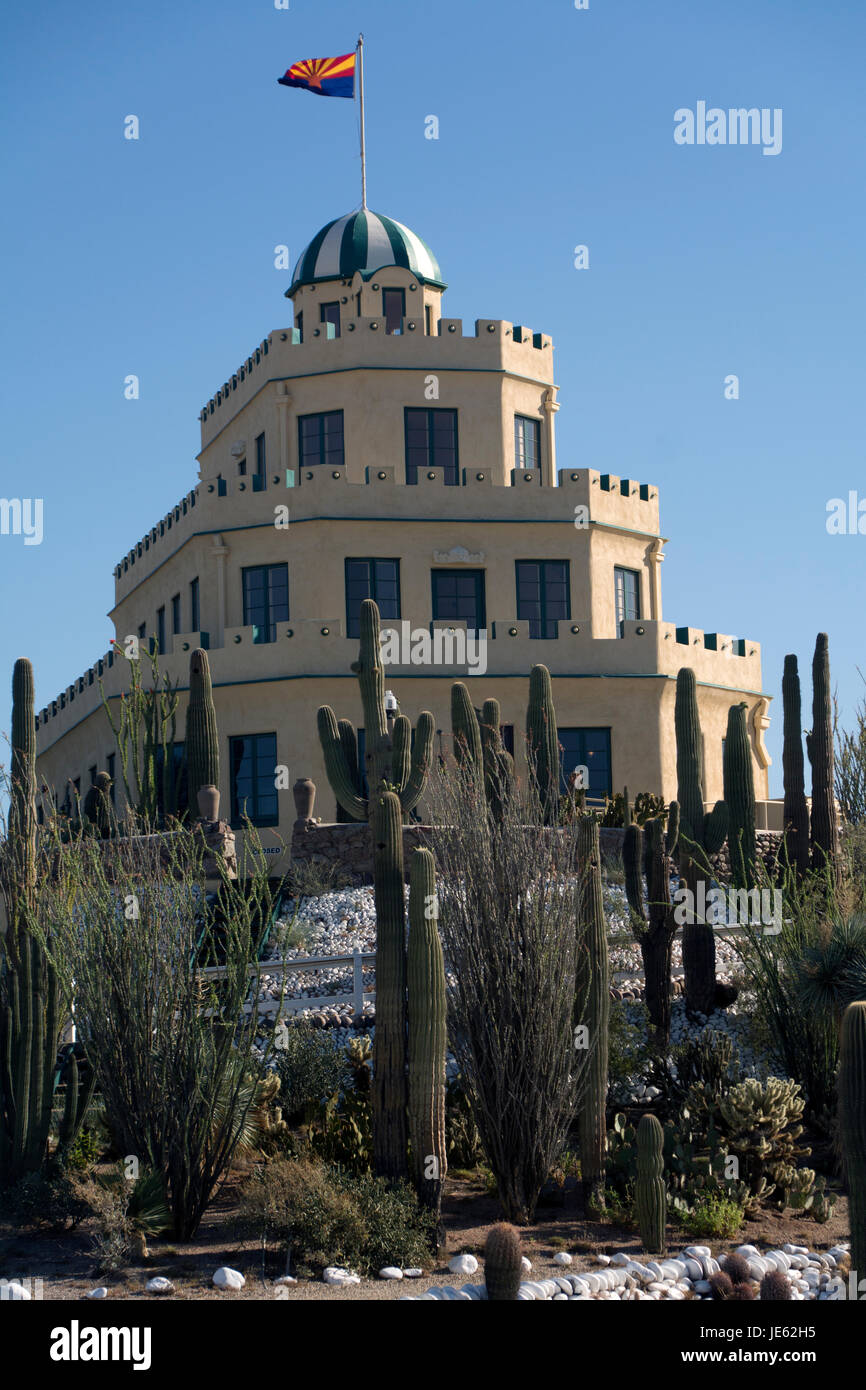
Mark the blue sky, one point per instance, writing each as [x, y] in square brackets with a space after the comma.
[156, 257]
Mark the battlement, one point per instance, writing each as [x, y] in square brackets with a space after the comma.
[152, 538]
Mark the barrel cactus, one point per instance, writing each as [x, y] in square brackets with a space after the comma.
[202, 739]
[650, 1196]
[427, 1035]
[852, 1123]
[502, 1263]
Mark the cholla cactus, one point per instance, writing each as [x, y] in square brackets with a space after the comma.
[760, 1120]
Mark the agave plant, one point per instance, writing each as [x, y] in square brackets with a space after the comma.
[832, 974]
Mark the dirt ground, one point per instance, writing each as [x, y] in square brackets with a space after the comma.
[66, 1265]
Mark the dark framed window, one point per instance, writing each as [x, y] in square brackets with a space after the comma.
[627, 583]
[589, 748]
[431, 442]
[330, 313]
[527, 440]
[242, 468]
[394, 310]
[194, 606]
[543, 595]
[260, 477]
[299, 324]
[266, 599]
[178, 786]
[320, 439]
[375, 579]
[160, 631]
[175, 615]
[459, 594]
[253, 770]
[142, 632]
[428, 320]
[91, 772]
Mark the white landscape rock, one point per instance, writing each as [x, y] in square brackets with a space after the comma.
[334, 1275]
[226, 1278]
[463, 1264]
[286, 1279]
[525, 1264]
[390, 1272]
[412, 1273]
[562, 1257]
[101, 1292]
[159, 1284]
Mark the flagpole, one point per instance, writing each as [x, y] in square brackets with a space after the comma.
[363, 132]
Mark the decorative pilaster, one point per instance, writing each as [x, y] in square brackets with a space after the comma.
[551, 405]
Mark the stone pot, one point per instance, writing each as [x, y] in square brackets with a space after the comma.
[304, 792]
[209, 803]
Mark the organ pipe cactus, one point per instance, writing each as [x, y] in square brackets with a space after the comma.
[701, 835]
[30, 1018]
[427, 1035]
[387, 760]
[825, 833]
[389, 1092]
[593, 990]
[202, 738]
[650, 1196]
[502, 1264]
[740, 796]
[647, 853]
[543, 743]
[796, 809]
[852, 1124]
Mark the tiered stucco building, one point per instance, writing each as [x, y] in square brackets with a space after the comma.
[377, 449]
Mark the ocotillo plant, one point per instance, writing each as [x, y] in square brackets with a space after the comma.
[796, 809]
[427, 1035]
[30, 1018]
[647, 852]
[825, 834]
[389, 1090]
[387, 757]
[701, 835]
[202, 738]
[852, 1124]
[144, 726]
[739, 783]
[650, 1197]
[543, 743]
[593, 988]
[503, 1264]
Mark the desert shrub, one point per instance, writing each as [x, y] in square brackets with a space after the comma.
[849, 768]
[313, 878]
[462, 1139]
[311, 1067]
[48, 1198]
[124, 1214]
[714, 1217]
[328, 1216]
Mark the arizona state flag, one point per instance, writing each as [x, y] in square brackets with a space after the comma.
[328, 77]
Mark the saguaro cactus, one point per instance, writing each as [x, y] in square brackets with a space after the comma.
[740, 796]
[502, 1263]
[349, 743]
[543, 742]
[465, 732]
[796, 809]
[389, 1090]
[479, 743]
[387, 759]
[202, 737]
[825, 834]
[427, 1035]
[593, 992]
[852, 1124]
[647, 851]
[650, 1197]
[701, 835]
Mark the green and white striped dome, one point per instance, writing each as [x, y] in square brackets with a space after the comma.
[365, 241]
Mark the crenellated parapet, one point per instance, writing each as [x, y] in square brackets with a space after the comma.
[167, 528]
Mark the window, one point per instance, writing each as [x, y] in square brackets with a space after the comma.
[428, 320]
[178, 782]
[320, 439]
[91, 772]
[260, 480]
[299, 324]
[627, 596]
[253, 762]
[222, 486]
[526, 442]
[459, 594]
[394, 310]
[142, 632]
[109, 763]
[543, 595]
[266, 600]
[330, 313]
[376, 579]
[194, 608]
[242, 468]
[160, 631]
[175, 615]
[589, 748]
[431, 442]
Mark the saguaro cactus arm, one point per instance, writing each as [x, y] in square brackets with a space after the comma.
[419, 768]
[337, 765]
